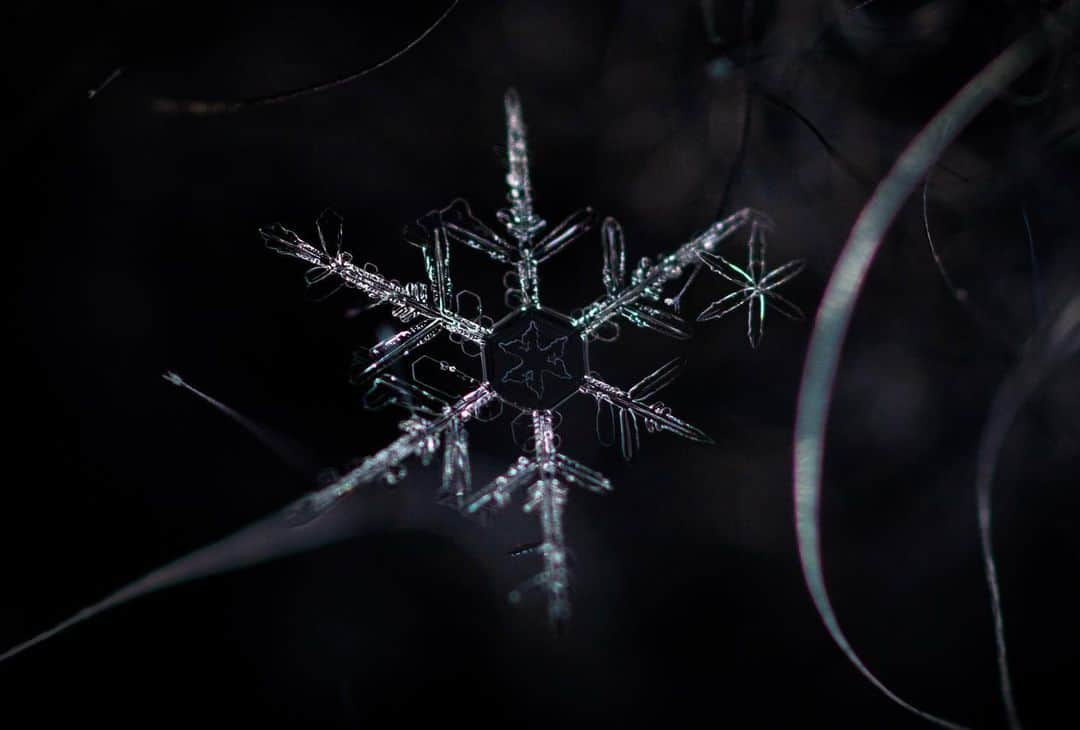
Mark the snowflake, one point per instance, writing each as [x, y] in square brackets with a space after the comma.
[533, 360]
[755, 286]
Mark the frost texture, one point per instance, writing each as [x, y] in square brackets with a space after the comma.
[533, 359]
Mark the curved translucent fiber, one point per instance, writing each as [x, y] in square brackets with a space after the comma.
[838, 303]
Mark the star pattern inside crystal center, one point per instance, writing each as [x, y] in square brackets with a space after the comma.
[535, 359]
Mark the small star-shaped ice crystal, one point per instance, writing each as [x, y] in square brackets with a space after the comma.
[755, 286]
[535, 360]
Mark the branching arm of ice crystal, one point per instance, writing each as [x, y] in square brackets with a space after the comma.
[409, 301]
[421, 438]
[520, 218]
[548, 497]
[546, 475]
[648, 280]
[630, 406]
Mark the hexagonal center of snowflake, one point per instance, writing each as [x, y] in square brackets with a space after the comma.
[535, 359]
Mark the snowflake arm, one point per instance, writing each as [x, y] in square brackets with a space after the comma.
[520, 219]
[409, 300]
[786, 307]
[421, 438]
[546, 476]
[547, 497]
[783, 274]
[725, 304]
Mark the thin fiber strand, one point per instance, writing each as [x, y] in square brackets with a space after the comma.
[838, 303]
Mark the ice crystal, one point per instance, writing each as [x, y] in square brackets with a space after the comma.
[532, 360]
[755, 286]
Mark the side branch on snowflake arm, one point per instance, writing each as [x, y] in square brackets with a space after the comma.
[498, 493]
[629, 406]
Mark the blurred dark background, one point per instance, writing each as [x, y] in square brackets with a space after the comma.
[131, 249]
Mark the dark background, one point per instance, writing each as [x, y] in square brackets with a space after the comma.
[131, 249]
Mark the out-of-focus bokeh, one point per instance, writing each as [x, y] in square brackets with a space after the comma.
[131, 249]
